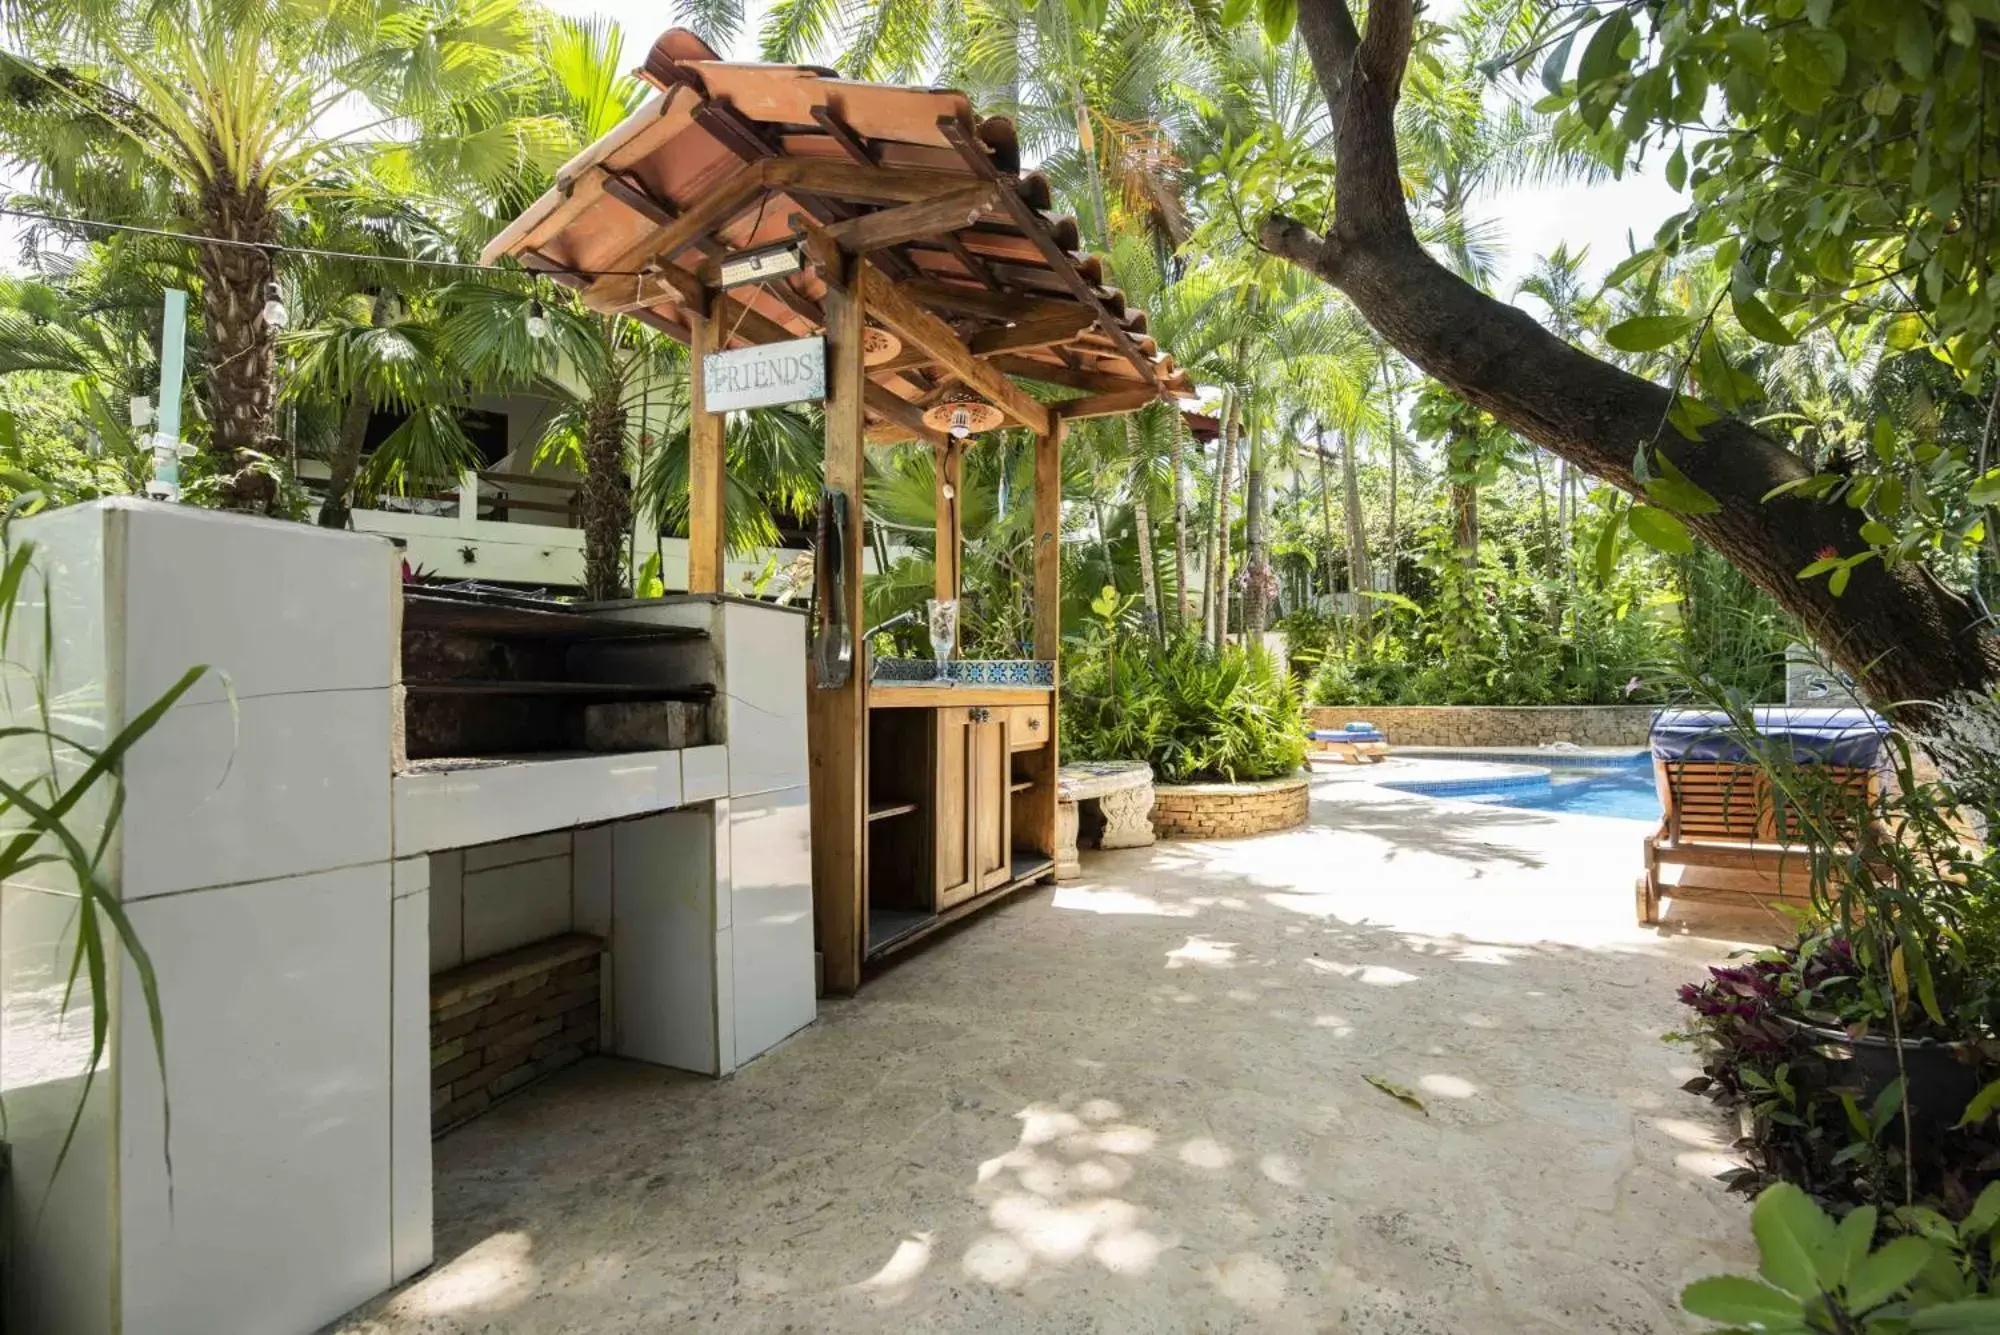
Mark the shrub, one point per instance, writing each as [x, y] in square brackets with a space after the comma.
[1191, 713]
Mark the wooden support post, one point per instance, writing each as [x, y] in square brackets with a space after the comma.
[949, 460]
[1048, 541]
[837, 720]
[705, 465]
[1035, 815]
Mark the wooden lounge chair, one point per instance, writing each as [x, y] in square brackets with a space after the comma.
[1348, 746]
[1724, 834]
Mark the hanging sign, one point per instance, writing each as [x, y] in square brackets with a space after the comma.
[759, 377]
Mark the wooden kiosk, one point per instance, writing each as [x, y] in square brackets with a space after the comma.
[747, 205]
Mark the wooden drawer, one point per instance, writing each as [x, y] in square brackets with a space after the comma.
[1028, 727]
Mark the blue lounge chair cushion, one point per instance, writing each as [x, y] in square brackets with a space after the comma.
[1349, 734]
[1849, 737]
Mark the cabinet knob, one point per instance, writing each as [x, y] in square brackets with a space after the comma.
[1034, 724]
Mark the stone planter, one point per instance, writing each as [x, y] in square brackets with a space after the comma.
[1230, 810]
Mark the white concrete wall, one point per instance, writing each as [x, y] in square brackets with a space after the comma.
[284, 886]
[494, 897]
[253, 862]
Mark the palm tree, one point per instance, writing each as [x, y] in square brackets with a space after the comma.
[73, 353]
[596, 369]
[1558, 281]
[240, 110]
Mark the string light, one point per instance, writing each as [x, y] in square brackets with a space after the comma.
[538, 319]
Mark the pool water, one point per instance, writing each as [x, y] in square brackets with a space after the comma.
[1623, 790]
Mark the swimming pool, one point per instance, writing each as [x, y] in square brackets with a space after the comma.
[1621, 788]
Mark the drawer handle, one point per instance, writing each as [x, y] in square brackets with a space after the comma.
[1035, 723]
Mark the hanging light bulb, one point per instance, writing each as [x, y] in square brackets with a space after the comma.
[275, 314]
[538, 319]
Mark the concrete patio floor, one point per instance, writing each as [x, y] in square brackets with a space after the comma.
[1136, 1103]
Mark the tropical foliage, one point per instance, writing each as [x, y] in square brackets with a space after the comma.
[1189, 710]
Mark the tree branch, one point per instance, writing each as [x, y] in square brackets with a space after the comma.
[1333, 42]
[1385, 51]
[1898, 630]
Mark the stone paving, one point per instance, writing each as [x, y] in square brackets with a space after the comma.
[1136, 1102]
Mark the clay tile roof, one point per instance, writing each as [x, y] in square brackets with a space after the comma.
[724, 155]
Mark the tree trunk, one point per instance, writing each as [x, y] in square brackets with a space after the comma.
[1142, 523]
[241, 370]
[1902, 634]
[1103, 542]
[1256, 559]
[1225, 480]
[1359, 577]
[1465, 523]
[606, 500]
[1548, 532]
[1180, 524]
[346, 461]
[1326, 509]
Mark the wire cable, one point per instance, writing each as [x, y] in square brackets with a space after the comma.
[278, 248]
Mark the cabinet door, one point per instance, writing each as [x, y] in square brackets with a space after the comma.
[952, 808]
[992, 803]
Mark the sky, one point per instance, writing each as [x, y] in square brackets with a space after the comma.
[1532, 221]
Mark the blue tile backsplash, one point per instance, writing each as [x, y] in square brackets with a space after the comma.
[1028, 672]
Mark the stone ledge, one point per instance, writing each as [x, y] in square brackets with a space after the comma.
[496, 971]
[1496, 725]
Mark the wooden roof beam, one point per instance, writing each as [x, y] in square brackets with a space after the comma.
[634, 195]
[735, 132]
[891, 227]
[960, 136]
[881, 299]
[899, 412]
[1044, 331]
[857, 149]
[1051, 373]
[713, 209]
[992, 305]
[972, 264]
[1039, 332]
[1114, 404]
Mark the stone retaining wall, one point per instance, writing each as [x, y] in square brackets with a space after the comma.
[1229, 810]
[1496, 725]
[501, 1022]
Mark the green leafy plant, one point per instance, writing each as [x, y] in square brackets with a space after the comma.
[1189, 711]
[1819, 1277]
[53, 769]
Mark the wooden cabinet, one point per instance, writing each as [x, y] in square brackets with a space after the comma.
[992, 804]
[1028, 727]
[973, 835]
[951, 832]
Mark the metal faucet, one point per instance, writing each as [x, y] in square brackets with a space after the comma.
[907, 615]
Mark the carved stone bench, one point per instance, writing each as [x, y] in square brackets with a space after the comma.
[1123, 791]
